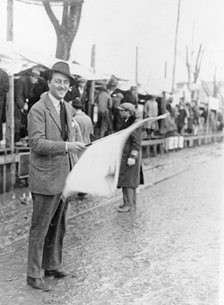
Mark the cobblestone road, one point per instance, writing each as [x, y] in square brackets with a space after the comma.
[167, 252]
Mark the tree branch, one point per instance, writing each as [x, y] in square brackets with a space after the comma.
[51, 16]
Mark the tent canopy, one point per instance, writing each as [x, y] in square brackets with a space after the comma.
[15, 59]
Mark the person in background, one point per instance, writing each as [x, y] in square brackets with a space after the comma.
[38, 86]
[103, 125]
[131, 96]
[117, 100]
[195, 117]
[86, 127]
[51, 142]
[151, 110]
[130, 175]
[28, 89]
[181, 117]
[22, 86]
[4, 88]
[84, 121]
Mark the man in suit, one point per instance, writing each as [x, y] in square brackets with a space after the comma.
[50, 137]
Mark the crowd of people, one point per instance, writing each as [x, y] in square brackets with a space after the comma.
[189, 118]
[51, 111]
[185, 117]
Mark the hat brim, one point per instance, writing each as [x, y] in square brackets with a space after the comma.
[34, 74]
[71, 78]
[120, 108]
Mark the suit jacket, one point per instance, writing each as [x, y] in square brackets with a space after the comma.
[86, 126]
[49, 161]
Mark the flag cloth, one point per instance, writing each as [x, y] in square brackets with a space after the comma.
[97, 170]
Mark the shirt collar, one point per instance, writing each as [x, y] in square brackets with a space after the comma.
[54, 100]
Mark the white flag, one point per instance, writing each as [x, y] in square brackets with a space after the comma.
[97, 170]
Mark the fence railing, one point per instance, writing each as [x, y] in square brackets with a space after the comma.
[159, 146]
[14, 166]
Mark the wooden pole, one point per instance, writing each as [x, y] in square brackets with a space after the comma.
[175, 46]
[136, 68]
[10, 98]
[165, 70]
[136, 73]
[10, 95]
[92, 85]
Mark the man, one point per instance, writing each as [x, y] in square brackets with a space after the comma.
[84, 121]
[4, 88]
[103, 101]
[130, 175]
[38, 86]
[50, 135]
[131, 96]
[117, 100]
[151, 110]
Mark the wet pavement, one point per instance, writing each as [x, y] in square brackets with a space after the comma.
[165, 252]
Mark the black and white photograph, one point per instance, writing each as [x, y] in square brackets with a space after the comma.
[111, 152]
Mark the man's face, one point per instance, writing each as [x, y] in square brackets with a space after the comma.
[124, 113]
[59, 85]
[33, 79]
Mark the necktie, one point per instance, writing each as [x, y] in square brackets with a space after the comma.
[64, 132]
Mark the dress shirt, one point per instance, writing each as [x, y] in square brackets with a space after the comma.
[56, 103]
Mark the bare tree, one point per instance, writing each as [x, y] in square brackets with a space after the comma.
[67, 30]
[193, 71]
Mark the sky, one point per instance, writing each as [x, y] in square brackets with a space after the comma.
[117, 27]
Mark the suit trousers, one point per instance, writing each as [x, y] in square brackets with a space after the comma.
[47, 232]
[129, 196]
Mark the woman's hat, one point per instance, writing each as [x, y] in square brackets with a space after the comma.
[63, 68]
[127, 107]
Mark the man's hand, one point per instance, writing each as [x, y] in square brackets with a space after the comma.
[131, 161]
[75, 147]
[25, 107]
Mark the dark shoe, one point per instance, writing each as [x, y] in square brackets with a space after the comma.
[121, 205]
[38, 284]
[56, 273]
[124, 209]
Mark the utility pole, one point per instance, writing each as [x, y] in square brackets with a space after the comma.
[90, 110]
[175, 45]
[165, 70]
[136, 67]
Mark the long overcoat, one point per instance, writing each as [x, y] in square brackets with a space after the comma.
[49, 161]
[129, 176]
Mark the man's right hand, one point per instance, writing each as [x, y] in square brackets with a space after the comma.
[75, 147]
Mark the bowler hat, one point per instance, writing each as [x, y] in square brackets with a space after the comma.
[77, 103]
[63, 68]
[127, 107]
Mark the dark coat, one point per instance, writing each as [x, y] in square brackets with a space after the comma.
[36, 90]
[129, 176]
[4, 88]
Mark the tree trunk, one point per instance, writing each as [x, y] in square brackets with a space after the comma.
[67, 30]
